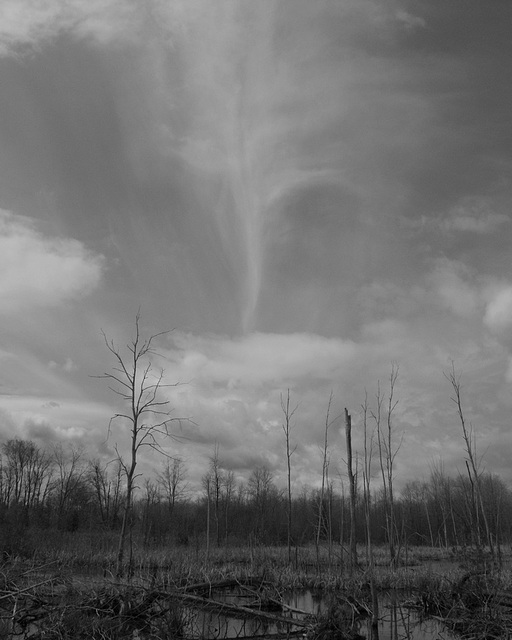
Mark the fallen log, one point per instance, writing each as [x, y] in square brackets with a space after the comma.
[233, 610]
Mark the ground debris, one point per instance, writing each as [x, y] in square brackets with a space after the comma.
[58, 609]
[473, 607]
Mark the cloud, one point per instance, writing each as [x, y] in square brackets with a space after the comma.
[452, 283]
[41, 271]
[233, 390]
[200, 73]
[498, 313]
[68, 365]
[261, 357]
[45, 420]
[410, 21]
[28, 24]
[474, 215]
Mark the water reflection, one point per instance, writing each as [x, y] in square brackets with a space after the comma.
[397, 621]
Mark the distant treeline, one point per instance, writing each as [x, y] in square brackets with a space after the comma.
[60, 489]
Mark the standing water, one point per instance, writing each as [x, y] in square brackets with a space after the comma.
[396, 620]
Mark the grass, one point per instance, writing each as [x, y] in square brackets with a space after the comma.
[98, 550]
[475, 605]
[78, 590]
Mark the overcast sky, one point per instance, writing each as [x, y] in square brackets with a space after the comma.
[304, 192]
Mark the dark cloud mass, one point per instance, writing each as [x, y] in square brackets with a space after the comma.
[304, 191]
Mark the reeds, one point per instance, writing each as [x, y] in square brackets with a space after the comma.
[69, 591]
[474, 605]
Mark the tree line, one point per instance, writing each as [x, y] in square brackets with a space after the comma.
[60, 489]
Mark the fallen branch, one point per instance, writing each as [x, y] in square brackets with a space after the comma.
[26, 589]
[232, 609]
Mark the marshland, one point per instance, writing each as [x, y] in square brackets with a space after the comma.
[288, 197]
[94, 550]
[225, 564]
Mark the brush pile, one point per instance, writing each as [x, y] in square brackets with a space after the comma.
[474, 606]
[56, 608]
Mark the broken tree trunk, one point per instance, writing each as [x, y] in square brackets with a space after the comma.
[352, 489]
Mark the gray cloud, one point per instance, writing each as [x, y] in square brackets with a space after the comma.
[305, 190]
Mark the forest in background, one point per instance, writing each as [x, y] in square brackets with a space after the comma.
[60, 490]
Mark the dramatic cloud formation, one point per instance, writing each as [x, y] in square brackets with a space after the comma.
[302, 192]
[38, 271]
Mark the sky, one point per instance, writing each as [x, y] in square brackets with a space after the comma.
[304, 194]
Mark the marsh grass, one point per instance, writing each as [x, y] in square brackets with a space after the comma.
[67, 588]
[97, 551]
[473, 604]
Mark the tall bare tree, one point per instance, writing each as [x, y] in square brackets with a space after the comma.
[352, 489]
[368, 441]
[388, 449]
[135, 381]
[472, 463]
[325, 480]
[288, 414]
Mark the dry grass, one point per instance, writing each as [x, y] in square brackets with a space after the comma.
[70, 591]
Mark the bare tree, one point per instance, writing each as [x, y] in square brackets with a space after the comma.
[207, 483]
[151, 500]
[368, 441]
[472, 463]
[288, 414]
[27, 472]
[107, 491]
[68, 476]
[134, 380]
[172, 480]
[352, 489]
[325, 481]
[229, 488]
[217, 482]
[260, 489]
[387, 454]
[441, 492]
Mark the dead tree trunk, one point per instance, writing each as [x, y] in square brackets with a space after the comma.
[352, 489]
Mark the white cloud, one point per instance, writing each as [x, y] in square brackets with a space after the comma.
[46, 420]
[498, 314]
[259, 358]
[32, 23]
[233, 388]
[453, 284]
[68, 365]
[471, 214]
[29, 24]
[474, 215]
[410, 21]
[40, 271]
